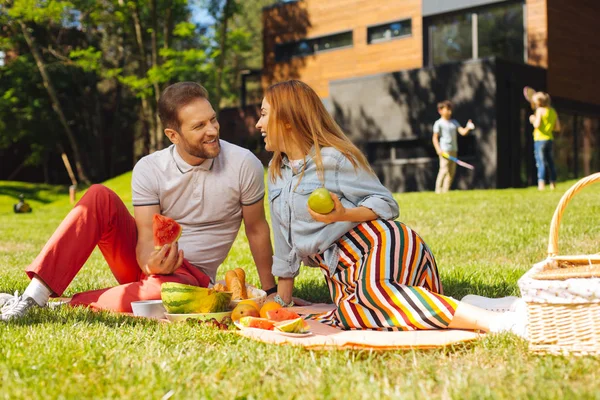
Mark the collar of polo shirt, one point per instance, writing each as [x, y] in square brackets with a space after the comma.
[184, 167]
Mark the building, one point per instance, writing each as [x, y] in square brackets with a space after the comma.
[381, 67]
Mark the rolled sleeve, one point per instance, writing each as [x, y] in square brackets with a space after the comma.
[285, 268]
[380, 207]
[285, 259]
[363, 188]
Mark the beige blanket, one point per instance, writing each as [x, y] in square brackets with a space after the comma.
[327, 337]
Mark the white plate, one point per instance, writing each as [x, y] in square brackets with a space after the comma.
[245, 328]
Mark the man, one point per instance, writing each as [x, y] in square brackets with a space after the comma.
[206, 184]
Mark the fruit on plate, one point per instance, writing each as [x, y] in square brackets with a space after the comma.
[165, 230]
[179, 298]
[252, 303]
[320, 201]
[253, 322]
[244, 310]
[281, 314]
[268, 306]
[297, 325]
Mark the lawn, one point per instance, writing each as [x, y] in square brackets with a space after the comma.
[483, 241]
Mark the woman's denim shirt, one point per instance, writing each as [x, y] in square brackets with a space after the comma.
[297, 235]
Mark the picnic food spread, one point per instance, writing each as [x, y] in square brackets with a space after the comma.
[211, 306]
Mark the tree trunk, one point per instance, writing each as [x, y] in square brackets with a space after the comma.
[227, 11]
[157, 125]
[81, 174]
[143, 71]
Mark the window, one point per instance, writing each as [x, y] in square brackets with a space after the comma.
[2, 56]
[392, 30]
[501, 32]
[451, 38]
[306, 47]
[484, 32]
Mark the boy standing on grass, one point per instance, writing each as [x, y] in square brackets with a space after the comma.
[444, 141]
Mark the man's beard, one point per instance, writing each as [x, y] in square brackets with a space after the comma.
[201, 152]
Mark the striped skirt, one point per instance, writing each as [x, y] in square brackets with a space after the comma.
[386, 279]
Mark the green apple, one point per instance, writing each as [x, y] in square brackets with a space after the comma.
[320, 201]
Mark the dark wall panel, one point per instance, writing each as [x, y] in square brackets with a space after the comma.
[399, 109]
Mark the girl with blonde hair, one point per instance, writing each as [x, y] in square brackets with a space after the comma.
[545, 122]
[380, 273]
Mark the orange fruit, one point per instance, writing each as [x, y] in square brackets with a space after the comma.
[244, 310]
[268, 306]
[250, 302]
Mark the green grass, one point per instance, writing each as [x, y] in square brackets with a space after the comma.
[483, 241]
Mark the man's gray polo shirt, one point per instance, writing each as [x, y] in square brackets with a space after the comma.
[206, 199]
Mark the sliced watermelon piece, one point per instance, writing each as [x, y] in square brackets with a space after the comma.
[281, 314]
[297, 325]
[254, 322]
[165, 230]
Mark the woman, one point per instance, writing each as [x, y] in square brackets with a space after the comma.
[545, 122]
[380, 273]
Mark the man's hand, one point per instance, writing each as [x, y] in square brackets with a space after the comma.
[164, 261]
[337, 214]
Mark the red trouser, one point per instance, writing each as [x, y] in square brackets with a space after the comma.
[100, 218]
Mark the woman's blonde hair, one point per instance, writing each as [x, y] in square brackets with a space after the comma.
[297, 109]
[541, 99]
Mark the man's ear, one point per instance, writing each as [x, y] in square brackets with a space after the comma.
[172, 135]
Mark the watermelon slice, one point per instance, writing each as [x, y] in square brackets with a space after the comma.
[165, 230]
[254, 322]
[281, 314]
[297, 325]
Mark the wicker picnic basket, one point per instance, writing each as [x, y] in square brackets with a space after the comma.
[563, 294]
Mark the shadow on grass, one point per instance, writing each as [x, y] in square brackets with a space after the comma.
[32, 192]
[66, 315]
[459, 288]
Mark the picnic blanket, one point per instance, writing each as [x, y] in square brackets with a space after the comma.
[326, 337]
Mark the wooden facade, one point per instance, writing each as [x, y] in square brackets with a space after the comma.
[574, 50]
[536, 25]
[559, 37]
[316, 18]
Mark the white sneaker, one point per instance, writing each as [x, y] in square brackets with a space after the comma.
[17, 307]
[6, 297]
[512, 321]
[501, 304]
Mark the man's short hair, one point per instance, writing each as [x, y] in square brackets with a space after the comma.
[176, 96]
[445, 104]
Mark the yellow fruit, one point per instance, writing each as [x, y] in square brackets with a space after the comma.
[268, 306]
[250, 302]
[320, 201]
[244, 310]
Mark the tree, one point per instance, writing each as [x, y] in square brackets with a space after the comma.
[22, 13]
